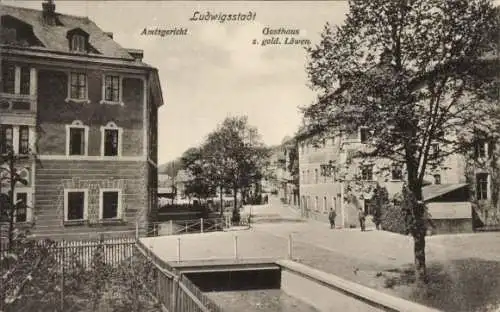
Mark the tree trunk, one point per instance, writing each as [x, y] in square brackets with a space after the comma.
[419, 251]
[418, 228]
[221, 203]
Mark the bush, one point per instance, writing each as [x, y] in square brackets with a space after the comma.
[393, 219]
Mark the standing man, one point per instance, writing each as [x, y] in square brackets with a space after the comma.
[361, 216]
[331, 217]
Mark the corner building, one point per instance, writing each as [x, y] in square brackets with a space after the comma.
[88, 109]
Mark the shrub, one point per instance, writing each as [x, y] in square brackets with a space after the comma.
[393, 219]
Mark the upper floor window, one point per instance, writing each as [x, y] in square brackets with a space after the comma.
[364, 134]
[112, 86]
[480, 149]
[24, 85]
[112, 89]
[8, 78]
[435, 149]
[111, 140]
[78, 86]
[437, 179]
[24, 133]
[482, 186]
[78, 43]
[6, 138]
[15, 79]
[316, 176]
[396, 172]
[76, 139]
[367, 172]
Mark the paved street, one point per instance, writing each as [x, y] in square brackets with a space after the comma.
[378, 259]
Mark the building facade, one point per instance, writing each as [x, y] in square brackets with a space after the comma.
[84, 111]
[331, 177]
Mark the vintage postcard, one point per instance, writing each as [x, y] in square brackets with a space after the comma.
[294, 156]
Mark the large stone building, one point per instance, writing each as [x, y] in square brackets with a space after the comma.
[332, 178]
[87, 108]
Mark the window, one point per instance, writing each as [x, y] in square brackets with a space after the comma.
[24, 133]
[110, 142]
[110, 204]
[78, 43]
[6, 139]
[316, 203]
[364, 134]
[75, 205]
[112, 89]
[25, 80]
[316, 176]
[325, 204]
[22, 206]
[8, 78]
[480, 149]
[111, 138]
[76, 139]
[396, 172]
[437, 179]
[435, 149]
[78, 86]
[367, 172]
[482, 186]
[368, 206]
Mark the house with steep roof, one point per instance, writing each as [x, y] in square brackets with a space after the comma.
[88, 109]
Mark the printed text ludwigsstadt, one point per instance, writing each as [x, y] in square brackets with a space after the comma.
[222, 17]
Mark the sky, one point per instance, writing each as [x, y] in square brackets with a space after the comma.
[214, 71]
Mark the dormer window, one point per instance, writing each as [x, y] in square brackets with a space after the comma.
[78, 40]
[78, 43]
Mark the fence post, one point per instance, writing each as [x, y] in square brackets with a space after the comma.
[236, 247]
[201, 224]
[290, 247]
[186, 226]
[174, 294]
[178, 249]
[61, 253]
[136, 230]
[171, 227]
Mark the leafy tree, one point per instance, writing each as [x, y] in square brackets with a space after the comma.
[201, 184]
[10, 178]
[416, 73]
[236, 156]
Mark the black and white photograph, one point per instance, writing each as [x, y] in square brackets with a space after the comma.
[247, 156]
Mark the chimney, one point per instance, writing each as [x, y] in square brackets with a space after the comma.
[109, 34]
[49, 12]
[136, 54]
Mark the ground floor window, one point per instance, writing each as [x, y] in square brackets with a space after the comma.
[75, 205]
[110, 204]
[22, 206]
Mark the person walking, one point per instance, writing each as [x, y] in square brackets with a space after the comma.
[361, 216]
[331, 217]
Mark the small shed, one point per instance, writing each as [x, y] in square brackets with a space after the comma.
[449, 208]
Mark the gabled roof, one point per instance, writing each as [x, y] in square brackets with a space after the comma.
[54, 37]
[435, 190]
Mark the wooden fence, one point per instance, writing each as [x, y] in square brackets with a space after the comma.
[174, 292]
